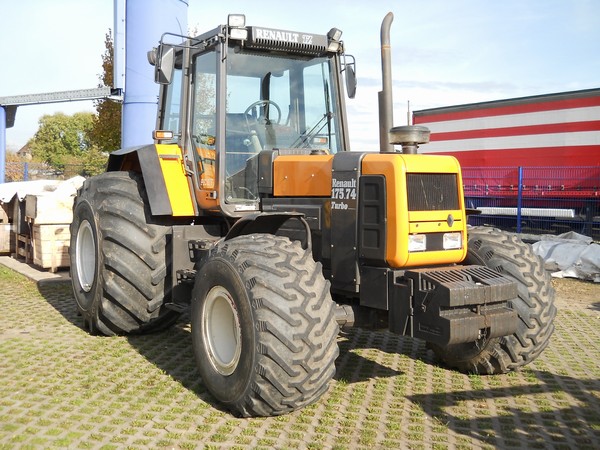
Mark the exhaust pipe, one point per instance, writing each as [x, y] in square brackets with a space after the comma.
[386, 109]
[409, 136]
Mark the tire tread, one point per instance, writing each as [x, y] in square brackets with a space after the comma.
[293, 319]
[134, 275]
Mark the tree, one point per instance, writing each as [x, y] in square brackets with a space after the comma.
[62, 139]
[14, 167]
[63, 142]
[106, 130]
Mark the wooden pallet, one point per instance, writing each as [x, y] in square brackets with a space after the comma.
[22, 247]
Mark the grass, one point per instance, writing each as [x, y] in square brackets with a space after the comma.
[64, 388]
[15, 280]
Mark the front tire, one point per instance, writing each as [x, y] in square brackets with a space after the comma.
[263, 328]
[118, 258]
[508, 255]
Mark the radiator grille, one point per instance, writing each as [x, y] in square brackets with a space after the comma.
[432, 191]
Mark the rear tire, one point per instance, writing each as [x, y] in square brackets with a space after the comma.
[508, 255]
[263, 327]
[118, 259]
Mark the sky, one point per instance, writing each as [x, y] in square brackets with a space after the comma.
[443, 52]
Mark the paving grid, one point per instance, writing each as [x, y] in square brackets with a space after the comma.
[64, 388]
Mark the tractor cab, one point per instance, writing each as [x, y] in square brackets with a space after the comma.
[235, 92]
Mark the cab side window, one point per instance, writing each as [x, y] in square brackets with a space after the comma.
[170, 119]
[205, 117]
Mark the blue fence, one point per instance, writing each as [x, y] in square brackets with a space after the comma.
[535, 200]
[28, 171]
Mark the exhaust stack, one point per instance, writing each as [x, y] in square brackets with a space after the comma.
[386, 110]
[409, 136]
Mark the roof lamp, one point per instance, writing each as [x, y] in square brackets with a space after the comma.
[333, 38]
[334, 34]
[236, 20]
[238, 34]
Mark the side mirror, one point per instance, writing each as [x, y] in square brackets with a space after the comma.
[164, 65]
[348, 67]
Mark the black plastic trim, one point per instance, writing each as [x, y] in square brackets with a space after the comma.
[372, 214]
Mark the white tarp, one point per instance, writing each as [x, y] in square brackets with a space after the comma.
[22, 188]
[570, 255]
[39, 187]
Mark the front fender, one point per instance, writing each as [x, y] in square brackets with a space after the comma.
[268, 223]
[167, 183]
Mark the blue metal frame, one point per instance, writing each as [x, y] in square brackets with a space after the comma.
[536, 200]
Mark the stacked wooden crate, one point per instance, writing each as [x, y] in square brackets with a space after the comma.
[34, 220]
[49, 217]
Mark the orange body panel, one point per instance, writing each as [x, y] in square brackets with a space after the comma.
[206, 167]
[401, 222]
[205, 197]
[302, 176]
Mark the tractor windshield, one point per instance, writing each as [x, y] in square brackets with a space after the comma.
[273, 102]
[287, 102]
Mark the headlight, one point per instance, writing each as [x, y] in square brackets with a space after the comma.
[452, 241]
[417, 243]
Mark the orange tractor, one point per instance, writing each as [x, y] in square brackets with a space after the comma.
[251, 213]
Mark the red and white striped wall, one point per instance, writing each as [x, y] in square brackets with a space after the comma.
[548, 130]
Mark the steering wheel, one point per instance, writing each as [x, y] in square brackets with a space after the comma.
[265, 103]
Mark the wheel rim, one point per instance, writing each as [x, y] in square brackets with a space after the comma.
[222, 331]
[85, 256]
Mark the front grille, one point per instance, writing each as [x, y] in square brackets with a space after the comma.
[432, 191]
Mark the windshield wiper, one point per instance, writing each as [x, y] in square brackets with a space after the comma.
[303, 141]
